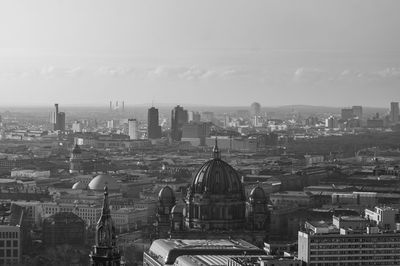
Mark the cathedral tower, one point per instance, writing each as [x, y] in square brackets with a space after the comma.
[105, 251]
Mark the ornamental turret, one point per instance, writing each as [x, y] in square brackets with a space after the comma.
[105, 251]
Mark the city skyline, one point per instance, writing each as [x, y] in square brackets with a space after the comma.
[279, 53]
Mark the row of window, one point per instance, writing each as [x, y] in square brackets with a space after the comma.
[348, 246]
[344, 252]
[355, 240]
[8, 243]
[8, 234]
[8, 253]
[357, 258]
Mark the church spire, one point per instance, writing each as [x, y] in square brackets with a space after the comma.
[105, 249]
[216, 152]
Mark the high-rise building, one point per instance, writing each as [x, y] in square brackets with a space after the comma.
[347, 114]
[358, 112]
[194, 117]
[57, 119]
[133, 129]
[255, 108]
[153, 127]
[105, 250]
[394, 112]
[179, 117]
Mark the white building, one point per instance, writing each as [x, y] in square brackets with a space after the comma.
[384, 217]
[133, 129]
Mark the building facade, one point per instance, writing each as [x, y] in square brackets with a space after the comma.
[179, 117]
[153, 127]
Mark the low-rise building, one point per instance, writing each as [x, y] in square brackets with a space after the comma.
[167, 251]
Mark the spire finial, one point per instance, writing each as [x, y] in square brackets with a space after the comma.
[216, 152]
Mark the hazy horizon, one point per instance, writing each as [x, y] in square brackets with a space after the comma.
[219, 53]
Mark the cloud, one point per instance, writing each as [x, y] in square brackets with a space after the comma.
[310, 75]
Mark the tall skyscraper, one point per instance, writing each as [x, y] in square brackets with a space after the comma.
[179, 117]
[153, 127]
[105, 250]
[133, 129]
[57, 119]
[394, 112]
[358, 112]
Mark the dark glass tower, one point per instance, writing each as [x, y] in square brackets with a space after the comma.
[105, 251]
[153, 128]
[179, 117]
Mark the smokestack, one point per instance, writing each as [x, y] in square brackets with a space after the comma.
[56, 105]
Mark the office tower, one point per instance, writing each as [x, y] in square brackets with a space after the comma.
[105, 250]
[194, 117]
[61, 121]
[123, 106]
[133, 129]
[358, 112]
[255, 109]
[347, 114]
[57, 119]
[179, 117]
[110, 106]
[394, 112]
[153, 127]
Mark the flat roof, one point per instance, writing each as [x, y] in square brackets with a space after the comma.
[167, 250]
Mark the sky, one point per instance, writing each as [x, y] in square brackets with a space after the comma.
[225, 52]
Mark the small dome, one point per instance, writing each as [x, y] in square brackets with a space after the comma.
[79, 185]
[99, 182]
[166, 195]
[257, 194]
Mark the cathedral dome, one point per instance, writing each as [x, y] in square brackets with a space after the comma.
[257, 194]
[99, 182]
[217, 177]
[167, 196]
